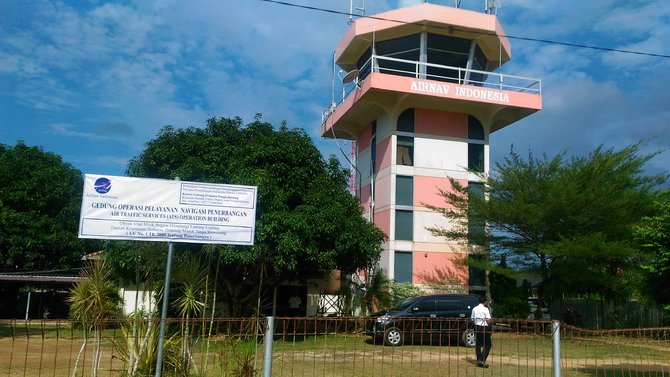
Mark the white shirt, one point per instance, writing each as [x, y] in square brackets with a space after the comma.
[480, 315]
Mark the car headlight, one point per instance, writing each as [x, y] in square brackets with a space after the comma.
[383, 319]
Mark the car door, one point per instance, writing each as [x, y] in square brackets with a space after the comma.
[452, 314]
[423, 316]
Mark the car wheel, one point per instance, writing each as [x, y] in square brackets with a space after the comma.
[393, 336]
[468, 338]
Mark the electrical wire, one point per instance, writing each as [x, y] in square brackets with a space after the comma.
[568, 44]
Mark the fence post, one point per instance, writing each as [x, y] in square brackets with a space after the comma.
[556, 348]
[269, 339]
[28, 305]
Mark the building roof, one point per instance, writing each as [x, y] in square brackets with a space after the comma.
[462, 23]
[39, 278]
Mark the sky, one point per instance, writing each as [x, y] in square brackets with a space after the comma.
[93, 81]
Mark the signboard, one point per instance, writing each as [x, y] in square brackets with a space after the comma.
[144, 209]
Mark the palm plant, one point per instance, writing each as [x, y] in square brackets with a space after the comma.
[139, 354]
[191, 278]
[377, 292]
[93, 300]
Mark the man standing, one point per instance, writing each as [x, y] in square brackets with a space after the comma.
[481, 316]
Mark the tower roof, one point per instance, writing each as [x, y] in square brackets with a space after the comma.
[437, 19]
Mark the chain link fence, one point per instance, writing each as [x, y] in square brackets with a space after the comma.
[322, 346]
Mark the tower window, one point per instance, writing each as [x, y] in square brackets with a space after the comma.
[405, 48]
[476, 157]
[405, 150]
[475, 129]
[479, 63]
[476, 228]
[404, 190]
[476, 143]
[402, 271]
[404, 222]
[476, 236]
[406, 121]
[364, 64]
[447, 51]
[444, 54]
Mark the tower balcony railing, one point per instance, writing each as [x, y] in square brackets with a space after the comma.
[436, 72]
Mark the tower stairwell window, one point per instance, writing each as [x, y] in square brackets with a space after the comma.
[405, 151]
[405, 147]
[404, 190]
[406, 121]
[403, 267]
[477, 238]
[404, 224]
[475, 144]
[402, 272]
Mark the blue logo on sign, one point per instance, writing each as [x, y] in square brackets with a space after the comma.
[102, 185]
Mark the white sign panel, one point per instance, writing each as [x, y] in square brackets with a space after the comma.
[145, 209]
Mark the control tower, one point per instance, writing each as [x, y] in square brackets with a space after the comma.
[420, 99]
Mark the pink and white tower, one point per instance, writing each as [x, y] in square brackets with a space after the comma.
[420, 99]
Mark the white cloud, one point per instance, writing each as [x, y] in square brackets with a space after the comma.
[108, 131]
[65, 129]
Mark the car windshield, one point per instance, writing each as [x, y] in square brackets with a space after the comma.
[405, 304]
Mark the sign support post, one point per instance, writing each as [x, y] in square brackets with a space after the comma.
[166, 299]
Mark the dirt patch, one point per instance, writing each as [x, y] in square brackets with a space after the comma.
[51, 357]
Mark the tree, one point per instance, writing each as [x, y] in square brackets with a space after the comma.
[306, 219]
[40, 198]
[93, 300]
[653, 235]
[508, 299]
[566, 221]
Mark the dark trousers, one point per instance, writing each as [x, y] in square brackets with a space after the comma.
[482, 342]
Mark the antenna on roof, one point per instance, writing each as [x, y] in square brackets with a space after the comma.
[360, 8]
[491, 6]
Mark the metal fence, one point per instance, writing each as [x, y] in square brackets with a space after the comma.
[321, 346]
[440, 73]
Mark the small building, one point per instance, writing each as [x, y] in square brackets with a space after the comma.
[35, 296]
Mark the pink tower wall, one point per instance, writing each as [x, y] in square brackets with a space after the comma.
[438, 268]
[441, 123]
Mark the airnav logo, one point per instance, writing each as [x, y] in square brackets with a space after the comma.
[102, 185]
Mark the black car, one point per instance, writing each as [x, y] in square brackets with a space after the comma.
[425, 318]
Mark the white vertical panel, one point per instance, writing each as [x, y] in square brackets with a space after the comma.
[386, 262]
[440, 154]
[423, 220]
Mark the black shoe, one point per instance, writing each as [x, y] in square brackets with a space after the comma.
[484, 365]
[481, 364]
